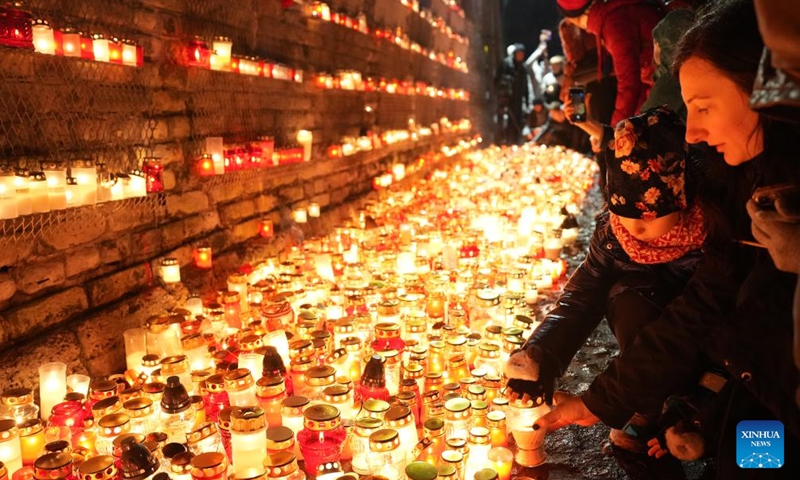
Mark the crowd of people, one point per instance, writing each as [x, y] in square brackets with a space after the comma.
[694, 259]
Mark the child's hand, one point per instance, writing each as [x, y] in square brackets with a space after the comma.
[656, 450]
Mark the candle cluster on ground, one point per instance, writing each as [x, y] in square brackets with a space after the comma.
[379, 347]
[395, 35]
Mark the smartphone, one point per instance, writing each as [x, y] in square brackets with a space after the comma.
[577, 96]
[765, 197]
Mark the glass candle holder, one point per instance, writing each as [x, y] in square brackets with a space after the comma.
[280, 439]
[178, 365]
[283, 466]
[52, 386]
[359, 443]
[530, 443]
[108, 428]
[400, 419]
[241, 388]
[317, 380]
[292, 414]
[479, 444]
[216, 398]
[248, 437]
[386, 457]
[143, 415]
[101, 467]
[322, 437]
[17, 404]
[55, 466]
[205, 437]
[271, 392]
[32, 439]
[501, 460]
[457, 413]
[10, 447]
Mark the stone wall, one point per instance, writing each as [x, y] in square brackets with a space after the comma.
[69, 288]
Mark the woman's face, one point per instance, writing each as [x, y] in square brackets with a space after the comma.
[718, 112]
[649, 230]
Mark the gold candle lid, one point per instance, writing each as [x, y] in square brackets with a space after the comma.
[352, 344]
[250, 473]
[239, 379]
[476, 392]
[117, 443]
[248, 419]
[270, 386]
[479, 436]
[180, 464]
[321, 375]
[433, 427]
[195, 340]
[398, 416]
[367, 425]
[174, 365]
[98, 468]
[300, 348]
[337, 394]
[447, 472]
[280, 438]
[201, 432]
[374, 405]
[106, 406]
[344, 326]
[103, 389]
[452, 456]
[114, 424]
[30, 427]
[139, 407]
[250, 343]
[224, 422]
[215, 383]
[384, 440]
[388, 308]
[280, 465]
[416, 326]
[53, 466]
[489, 350]
[293, 406]
[457, 408]
[209, 465]
[16, 396]
[130, 394]
[151, 360]
[387, 330]
[321, 417]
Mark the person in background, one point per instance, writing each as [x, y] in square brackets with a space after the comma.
[625, 29]
[537, 66]
[666, 89]
[513, 94]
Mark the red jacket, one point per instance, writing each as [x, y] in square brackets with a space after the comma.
[625, 28]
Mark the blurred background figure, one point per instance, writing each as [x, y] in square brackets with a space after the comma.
[514, 95]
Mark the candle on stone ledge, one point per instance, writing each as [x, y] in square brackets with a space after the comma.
[299, 215]
[170, 270]
[52, 386]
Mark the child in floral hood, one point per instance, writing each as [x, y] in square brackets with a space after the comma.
[644, 249]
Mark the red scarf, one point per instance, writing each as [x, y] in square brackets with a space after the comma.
[687, 235]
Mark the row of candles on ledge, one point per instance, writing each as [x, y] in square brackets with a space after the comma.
[397, 36]
[438, 22]
[354, 81]
[19, 29]
[383, 347]
[219, 159]
[54, 187]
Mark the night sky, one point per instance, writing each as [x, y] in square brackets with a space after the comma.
[524, 19]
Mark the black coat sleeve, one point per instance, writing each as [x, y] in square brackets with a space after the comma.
[579, 309]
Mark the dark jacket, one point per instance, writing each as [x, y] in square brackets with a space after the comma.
[606, 271]
[735, 311]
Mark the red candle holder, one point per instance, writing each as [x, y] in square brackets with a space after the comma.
[266, 229]
[70, 42]
[15, 27]
[234, 65]
[153, 170]
[87, 46]
[335, 151]
[198, 53]
[205, 166]
[202, 257]
[115, 51]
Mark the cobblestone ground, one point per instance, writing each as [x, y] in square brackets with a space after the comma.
[574, 452]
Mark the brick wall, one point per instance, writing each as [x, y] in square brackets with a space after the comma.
[68, 290]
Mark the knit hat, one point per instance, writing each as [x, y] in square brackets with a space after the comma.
[647, 165]
[573, 8]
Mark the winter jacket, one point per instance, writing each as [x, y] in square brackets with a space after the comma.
[736, 311]
[605, 272]
[625, 28]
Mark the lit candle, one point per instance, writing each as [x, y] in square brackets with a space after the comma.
[265, 228]
[23, 196]
[135, 186]
[215, 148]
[221, 58]
[52, 386]
[252, 362]
[80, 383]
[406, 263]
[38, 192]
[305, 138]
[73, 193]
[100, 47]
[57, 185]
[10, 447]
[135, 347]
[43, 37]
[313, 210]
[85, 172]
[399, 171]
[71, 42]
[170, 270]
[300, 215]
[501, 460]
[8, 192]
[128, 53]
[202, 257]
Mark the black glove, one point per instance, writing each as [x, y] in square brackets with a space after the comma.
[530, 372]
